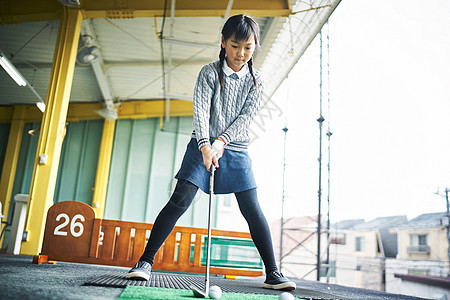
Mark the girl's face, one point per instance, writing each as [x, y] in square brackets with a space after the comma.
[238, 53]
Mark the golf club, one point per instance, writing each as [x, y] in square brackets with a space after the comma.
[198, 293]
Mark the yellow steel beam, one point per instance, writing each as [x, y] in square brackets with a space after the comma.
[11, 157]
[183, 8]
[52, 129]
[131, 110]
[17, 11]
[6, 113]
[83, 111]
[86, 111]
[154, 109]
[103, 165]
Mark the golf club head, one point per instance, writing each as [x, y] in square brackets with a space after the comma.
[198, 293]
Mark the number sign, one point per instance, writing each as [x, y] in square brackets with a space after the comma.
[68, 230]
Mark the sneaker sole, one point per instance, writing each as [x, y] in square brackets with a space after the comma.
[285, 286]
[138, 276]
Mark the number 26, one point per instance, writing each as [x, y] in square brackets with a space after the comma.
[73, 224]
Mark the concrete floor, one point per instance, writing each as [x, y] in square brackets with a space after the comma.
[20, 279]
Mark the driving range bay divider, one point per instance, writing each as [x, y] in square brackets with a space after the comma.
[73, 234]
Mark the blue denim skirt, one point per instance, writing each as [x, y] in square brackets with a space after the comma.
[233, 175]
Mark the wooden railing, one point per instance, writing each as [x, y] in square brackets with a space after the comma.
[73, 234]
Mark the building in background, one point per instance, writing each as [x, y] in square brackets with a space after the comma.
[387, 254]
[373, 243]
[421, 267]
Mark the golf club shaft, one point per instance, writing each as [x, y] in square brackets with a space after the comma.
[208, 247]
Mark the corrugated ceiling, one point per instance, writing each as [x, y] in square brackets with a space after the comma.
[131, 57]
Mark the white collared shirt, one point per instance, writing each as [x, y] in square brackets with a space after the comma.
[228, 71]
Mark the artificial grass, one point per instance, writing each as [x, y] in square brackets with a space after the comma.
[143, 292]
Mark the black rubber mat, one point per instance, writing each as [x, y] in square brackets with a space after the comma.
[183, 281]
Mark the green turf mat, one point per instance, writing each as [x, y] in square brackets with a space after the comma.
[143, 292]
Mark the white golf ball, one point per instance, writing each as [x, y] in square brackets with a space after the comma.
[286, 296]
[215, 292]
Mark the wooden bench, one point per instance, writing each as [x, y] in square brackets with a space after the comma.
[73, 234]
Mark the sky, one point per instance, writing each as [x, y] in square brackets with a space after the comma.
[389, 87]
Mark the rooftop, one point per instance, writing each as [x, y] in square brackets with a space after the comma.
[381, 222]
[347, 224]
[430, 220]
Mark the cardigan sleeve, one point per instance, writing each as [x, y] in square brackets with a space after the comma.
[203, 94]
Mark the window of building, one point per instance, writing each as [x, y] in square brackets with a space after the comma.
[418, 239]
[338, 239]
[360, 243]
[418, 244]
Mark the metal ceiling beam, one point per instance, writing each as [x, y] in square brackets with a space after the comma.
[191, 44]
[141, 109]
[18, 11]
[97, 67]
[124, 64]
[154, 63]
[228, 10]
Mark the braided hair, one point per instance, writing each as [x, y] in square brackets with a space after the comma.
[242, 27]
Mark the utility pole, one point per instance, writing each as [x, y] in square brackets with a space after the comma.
[447, 221]
[319, 215]
[327, 262]
[282, 200]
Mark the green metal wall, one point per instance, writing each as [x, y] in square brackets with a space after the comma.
[145, 158]
[4, 134]
[78, 161]
[25, 162]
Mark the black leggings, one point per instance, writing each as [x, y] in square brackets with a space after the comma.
[181, 200]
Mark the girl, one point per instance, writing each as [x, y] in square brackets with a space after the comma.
[227, 96]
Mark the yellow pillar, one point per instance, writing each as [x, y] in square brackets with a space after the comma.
[52, 129]
[11, 157]
[103, 165]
